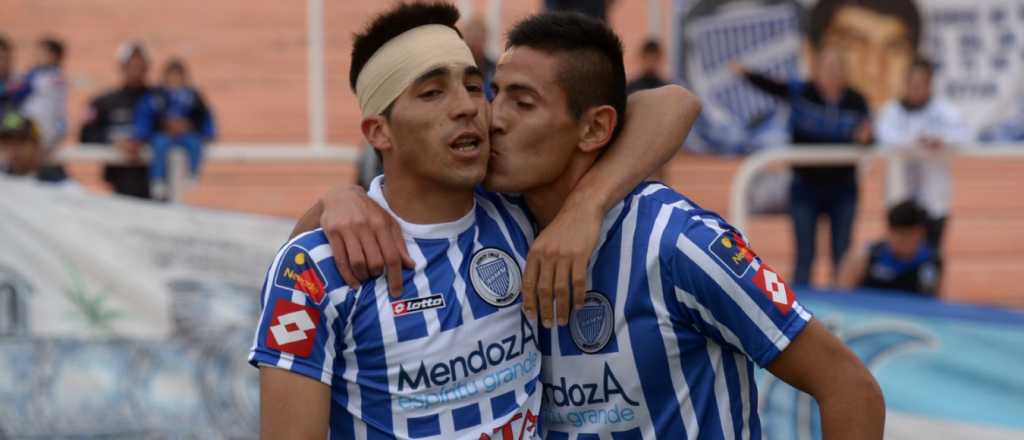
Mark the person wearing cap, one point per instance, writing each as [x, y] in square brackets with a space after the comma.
[23, 153]
[110, 120]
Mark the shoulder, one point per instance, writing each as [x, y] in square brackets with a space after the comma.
[306, 264]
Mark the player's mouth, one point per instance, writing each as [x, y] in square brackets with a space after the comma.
[467, 145]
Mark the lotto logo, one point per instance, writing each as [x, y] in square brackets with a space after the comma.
[405, 307]
[292, 328]
[772, 285]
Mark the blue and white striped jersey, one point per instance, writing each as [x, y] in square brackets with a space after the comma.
[677, 307]
[453, 358]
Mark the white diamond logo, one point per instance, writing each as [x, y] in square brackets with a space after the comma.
[300, 319]
[774, 285]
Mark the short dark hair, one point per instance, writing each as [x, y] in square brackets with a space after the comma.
[920, 62]
[651, 46]
[821, 15]
[907, 214]
[592, 72]
[175, 65]
[54, 46]
[394, 22]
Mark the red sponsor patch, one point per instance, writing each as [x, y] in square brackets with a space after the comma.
[299, 272]
[774, 288]
[292, 328]
[404, 307]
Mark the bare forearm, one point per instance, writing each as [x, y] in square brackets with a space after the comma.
[657, 123]
[857, 414]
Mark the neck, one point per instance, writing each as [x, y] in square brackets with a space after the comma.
[545, 201]
[415, 201]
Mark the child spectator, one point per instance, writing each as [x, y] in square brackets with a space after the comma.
[174, 115]
[42, 95]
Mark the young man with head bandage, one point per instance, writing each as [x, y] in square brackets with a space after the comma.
[452, 356]
[676, 309]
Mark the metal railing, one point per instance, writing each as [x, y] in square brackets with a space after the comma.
[739, 212]
[178, 165]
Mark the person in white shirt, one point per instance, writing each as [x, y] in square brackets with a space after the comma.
[921, 121]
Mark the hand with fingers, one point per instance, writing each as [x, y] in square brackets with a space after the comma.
[366, 241]
[558, 263]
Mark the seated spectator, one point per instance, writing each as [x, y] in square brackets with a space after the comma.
[920, 120]
[902, 261]
[23, 152]
[42, 94]
[173, 115]
[110, 120]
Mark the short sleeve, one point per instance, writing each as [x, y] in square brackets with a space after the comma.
[727, 293]
[299, 326]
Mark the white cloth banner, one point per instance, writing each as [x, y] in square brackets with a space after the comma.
[127, 318]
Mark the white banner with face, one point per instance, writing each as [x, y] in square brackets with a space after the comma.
[977, 46]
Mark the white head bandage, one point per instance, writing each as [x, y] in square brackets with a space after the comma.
[403, 59]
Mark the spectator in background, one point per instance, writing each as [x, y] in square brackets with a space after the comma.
[6, 69]
[20, 145]
[824, 110]
[920, 120]
[902, 261]
[651, 59]
[173, 115]
[111, 117]
[593, 8]
[42, 94]
[474, 33]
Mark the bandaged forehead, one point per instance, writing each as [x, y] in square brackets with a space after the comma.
[403, 59]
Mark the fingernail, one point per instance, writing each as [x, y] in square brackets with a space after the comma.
[562, 322]
[547, 323]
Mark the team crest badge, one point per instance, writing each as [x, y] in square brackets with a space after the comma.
[591, 325]
[495, 277]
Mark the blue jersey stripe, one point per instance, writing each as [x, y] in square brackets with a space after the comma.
[372, 361]
[477, 305]
[440, 276]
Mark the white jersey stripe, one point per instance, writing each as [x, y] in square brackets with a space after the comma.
[459, 284]
[351, 374]
[721, 389]
[733, 290]
[419, 278]
[492, 212]
[691, 302]
[669, 338]
[520, 218]
[321, 253]
[741, 371]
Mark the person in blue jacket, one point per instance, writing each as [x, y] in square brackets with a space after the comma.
[173, 115]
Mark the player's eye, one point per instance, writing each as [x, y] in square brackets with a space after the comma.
[524, 105]
[430, 94]
[474, 88]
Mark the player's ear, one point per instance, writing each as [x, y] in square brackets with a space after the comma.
[377, 133]
[596, 127]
